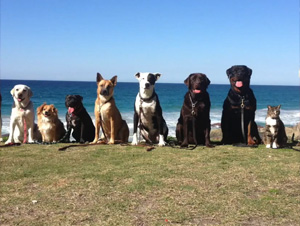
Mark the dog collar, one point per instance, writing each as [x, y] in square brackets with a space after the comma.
[193, 105]
[147, 99]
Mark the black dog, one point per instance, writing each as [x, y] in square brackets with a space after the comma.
[239, 108]
[79, 120]
[193, 125]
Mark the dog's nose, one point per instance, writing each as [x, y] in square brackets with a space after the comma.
[104, 92]
[147, 85]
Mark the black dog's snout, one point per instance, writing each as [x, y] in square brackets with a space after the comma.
[147, 85]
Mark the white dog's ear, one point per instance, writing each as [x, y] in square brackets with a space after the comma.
[137, 75]
[12, 92]
[157, 76]
[30, 93]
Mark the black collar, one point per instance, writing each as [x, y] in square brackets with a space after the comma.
[148, 99]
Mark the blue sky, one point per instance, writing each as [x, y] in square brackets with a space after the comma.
[75, 39]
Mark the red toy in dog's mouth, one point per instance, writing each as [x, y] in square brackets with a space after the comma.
[239, 84]
[196, 91]
[71, 110]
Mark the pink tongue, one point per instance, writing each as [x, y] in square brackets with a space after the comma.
[19, 100]
[196, 91]
[71, 110]
[239, 84]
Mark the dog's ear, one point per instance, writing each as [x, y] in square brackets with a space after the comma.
[99, 77]
[157, 76]
[30, 93]
[12, 92]
[187, 81]
[114, 80]
[79, 97]
[207, 81]
[269, 107]
[229, 72]
[40, 108]
[249, 72]
[137, 75]
[279, 106]
[54, 109]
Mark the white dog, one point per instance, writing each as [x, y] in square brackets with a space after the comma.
[22, 116]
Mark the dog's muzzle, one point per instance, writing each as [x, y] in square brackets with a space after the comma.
[104, 92]
[46, 113]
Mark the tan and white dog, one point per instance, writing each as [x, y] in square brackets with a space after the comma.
[51, 128]
[22, 116]
[107, 114]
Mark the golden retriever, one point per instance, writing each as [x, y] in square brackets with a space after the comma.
[51, 128]
[22, 116]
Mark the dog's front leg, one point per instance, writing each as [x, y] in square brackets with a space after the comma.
[112, 131]
[12, 127]
[207, 134]
[185, 141]
[97, 128]
[161, 141]
[135, 125]
[30, 127]
[81, 132]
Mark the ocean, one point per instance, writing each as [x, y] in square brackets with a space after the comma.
[170, 96]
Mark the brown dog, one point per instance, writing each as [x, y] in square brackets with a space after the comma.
[107, 114]
[193, 125]
[51, 128]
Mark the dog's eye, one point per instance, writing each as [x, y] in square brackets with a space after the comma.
[17, 89]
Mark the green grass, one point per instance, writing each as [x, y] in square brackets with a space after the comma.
[124, 185]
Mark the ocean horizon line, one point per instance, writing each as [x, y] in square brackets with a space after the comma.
[176, 83]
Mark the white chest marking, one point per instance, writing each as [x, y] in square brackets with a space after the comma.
[148, 111]
[271, 122]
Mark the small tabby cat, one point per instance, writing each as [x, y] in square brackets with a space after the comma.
[275, 136]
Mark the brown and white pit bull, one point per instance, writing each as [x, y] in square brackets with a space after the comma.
[107, 114]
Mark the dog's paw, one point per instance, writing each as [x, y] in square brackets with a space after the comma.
[1, 139]
[94, 141]
[134, 139]
[134, 143]
[274, 145]
[8, 142]
[209, 145]
[268, 146]
[111, 142]
[162, 143]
